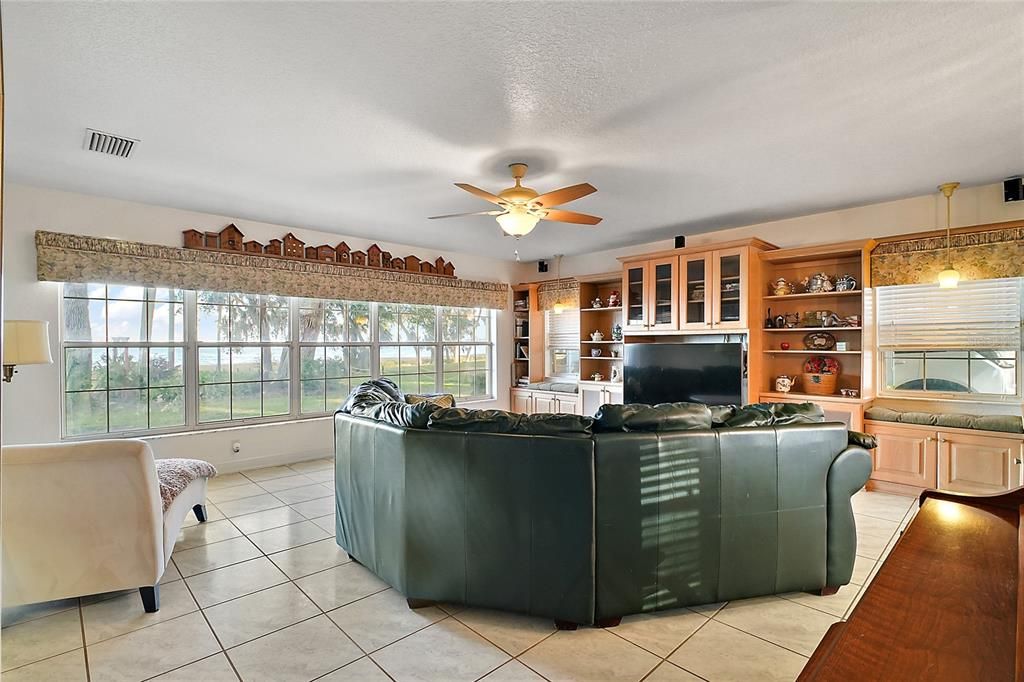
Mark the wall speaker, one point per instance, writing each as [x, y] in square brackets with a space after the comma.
[680, 241]
[1013, 189]
[542, 266]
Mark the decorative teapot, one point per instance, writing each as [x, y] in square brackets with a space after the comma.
[783, 384]
[597, 303]
[780, 287]
[817, 283]
[596, 335]
[597, 376]
[846, 283]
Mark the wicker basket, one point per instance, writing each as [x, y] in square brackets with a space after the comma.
[820, 384]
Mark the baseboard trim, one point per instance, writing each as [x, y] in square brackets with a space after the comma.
[893, 488]
[270, 461]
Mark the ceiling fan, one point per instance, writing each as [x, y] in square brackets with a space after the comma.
[522, 208]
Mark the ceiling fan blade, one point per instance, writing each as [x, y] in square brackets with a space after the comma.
[483, 194]
[571, 217]
[564, 195]
[459, 215]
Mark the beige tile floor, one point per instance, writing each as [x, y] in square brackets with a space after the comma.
[262, 592]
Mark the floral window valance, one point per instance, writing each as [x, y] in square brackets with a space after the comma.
[565, 292]
[74, 258]
[978, 254]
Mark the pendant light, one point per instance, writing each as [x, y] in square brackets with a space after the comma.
[948, 278]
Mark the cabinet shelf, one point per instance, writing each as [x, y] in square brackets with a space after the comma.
[812, 397]
[619, 343]
[823, 294]
[617, 309]
[602, 357]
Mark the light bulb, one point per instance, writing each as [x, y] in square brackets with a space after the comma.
[518, 221]
[949, 278]
[558, 308]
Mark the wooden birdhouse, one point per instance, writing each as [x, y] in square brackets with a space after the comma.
[398, 264]
[359, 258]
[310, 253]
[373, 255]
[326, 253]
[274, 248]
[439, 265]
[385, 259]
[427, 267]
[449, 269]
[293, 246]
[231, 238]
[412, 264]
[344, 253]
[252, 246]
[193, 239]
[211, 240]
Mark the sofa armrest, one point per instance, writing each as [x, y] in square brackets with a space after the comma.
[848, 474]
[79, 518]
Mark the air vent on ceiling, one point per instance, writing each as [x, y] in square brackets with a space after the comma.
[106, 143]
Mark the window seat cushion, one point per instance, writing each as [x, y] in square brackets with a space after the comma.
[176, 474]
[1005, 423]
[555, 386]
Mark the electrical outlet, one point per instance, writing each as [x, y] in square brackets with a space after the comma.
[236, 447]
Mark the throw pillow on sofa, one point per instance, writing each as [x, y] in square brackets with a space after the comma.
[769, 414]
[439, 399]
[402, 414]
[661, 417]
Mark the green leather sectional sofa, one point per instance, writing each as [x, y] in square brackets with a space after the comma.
[585, 520]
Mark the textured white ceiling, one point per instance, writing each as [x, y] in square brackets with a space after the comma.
[356, 118]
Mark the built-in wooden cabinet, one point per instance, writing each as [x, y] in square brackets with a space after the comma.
[594, 394]
[694, 282]
[527, 401]
[905, 455]
[978, 464]
[696, 289]
[957, 460]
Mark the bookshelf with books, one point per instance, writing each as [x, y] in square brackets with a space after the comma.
[528, 336]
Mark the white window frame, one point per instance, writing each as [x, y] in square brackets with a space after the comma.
[191, 347]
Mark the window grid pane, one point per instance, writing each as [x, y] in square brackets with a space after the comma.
[125, 385]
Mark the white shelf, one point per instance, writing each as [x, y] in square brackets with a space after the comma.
[814, 352]
[601, 310]
[813, 329]
[823, 294]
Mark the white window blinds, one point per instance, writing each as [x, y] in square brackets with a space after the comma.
[981, 314]
[562, 330]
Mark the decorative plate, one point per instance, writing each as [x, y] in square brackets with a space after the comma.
[819, 341]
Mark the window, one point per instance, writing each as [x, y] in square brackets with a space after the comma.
[243, 349]
[335, 348]
[562, 339]
[124, 358]
[961, 343]
[142, 360]
[465, 349]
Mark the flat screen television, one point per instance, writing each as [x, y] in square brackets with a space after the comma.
[710, 373]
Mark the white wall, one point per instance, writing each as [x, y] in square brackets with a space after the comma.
[31, 403]
[971, 206]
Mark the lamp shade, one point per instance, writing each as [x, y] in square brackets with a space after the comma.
[27, 342]
[517, 221]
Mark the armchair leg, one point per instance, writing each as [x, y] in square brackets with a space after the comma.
[565, 625]
[150, 598]
[200, 511]
[828, 590]
[419, 603]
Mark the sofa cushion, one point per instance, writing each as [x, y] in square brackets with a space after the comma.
[1005, 423]
[771, 414]
[439, 399]
[369, 394]
[500, 421]
[176, 474]
[661, 417]
[861, 440]
[402, 414]
[721, 414]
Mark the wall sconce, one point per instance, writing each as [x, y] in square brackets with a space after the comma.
[26, 342]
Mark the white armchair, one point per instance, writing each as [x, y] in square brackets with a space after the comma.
[85, 518]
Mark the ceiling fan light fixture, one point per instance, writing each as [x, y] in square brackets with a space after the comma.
[518, 221]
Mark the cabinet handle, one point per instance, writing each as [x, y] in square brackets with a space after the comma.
[929, 439]
[1018, 460]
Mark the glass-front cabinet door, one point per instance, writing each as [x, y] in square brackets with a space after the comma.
[634, 282]
[663, 293]
[730, 300]
[695, 292]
